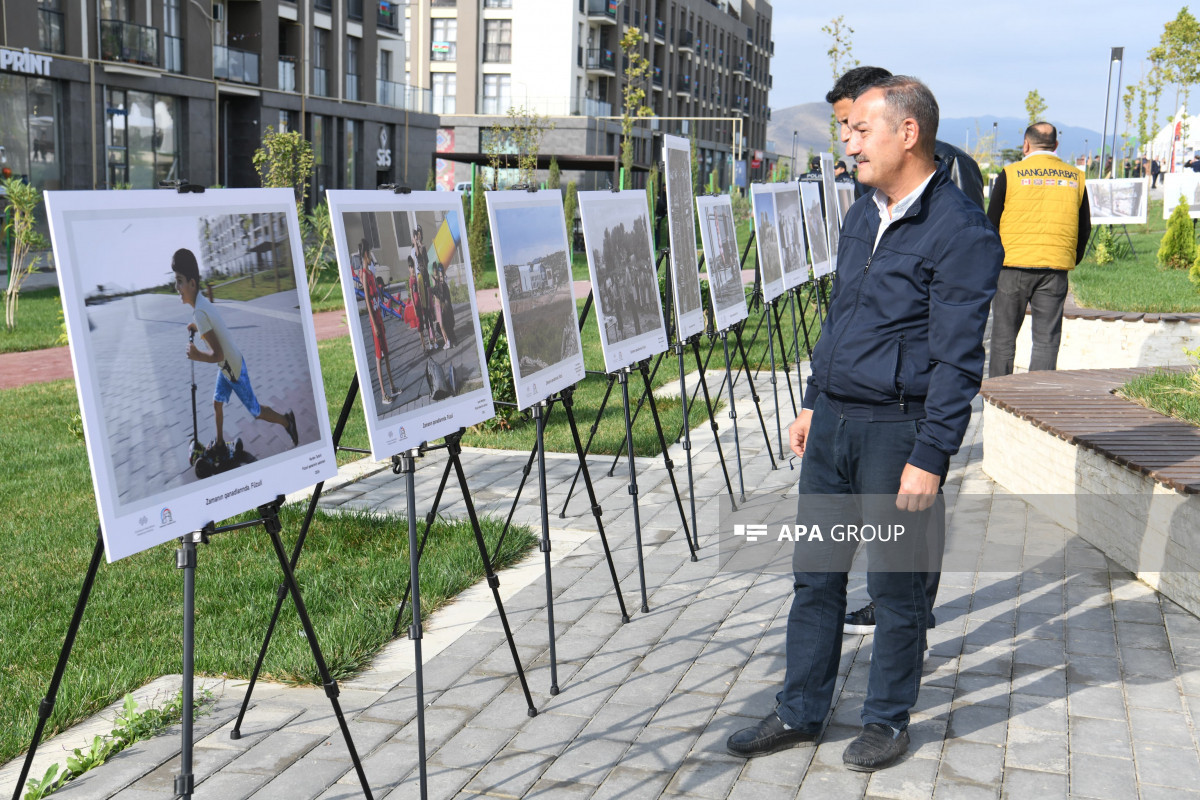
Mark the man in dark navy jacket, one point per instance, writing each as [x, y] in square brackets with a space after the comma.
[899, 360]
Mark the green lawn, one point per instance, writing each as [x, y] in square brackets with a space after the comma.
[1136, 282]
[1176, 394]
[131, 632]
[39, 323]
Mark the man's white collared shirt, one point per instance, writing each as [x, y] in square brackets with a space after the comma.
[881, 202]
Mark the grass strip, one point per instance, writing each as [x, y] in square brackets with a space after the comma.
[352, 573]
[39, 322]
[1175, 394]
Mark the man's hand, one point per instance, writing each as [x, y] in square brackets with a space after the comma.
[798, 432]
[918, 488]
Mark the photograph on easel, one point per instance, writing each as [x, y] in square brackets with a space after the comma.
[792, 250]
[833, 219]
[845, 198]
[814, 227]
[766, 239]
[685, 268]
[1118, 201]
[533, 268]
[1184, 184]
[620, 255]
[418, 348]
[194, 353]
[724, 271]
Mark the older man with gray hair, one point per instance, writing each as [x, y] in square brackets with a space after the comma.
[899, 360]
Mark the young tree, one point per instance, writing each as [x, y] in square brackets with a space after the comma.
[633, 93]
[840, 59]
[570, 206]
[1178, 54]
[22, 237]
[652, 198]
[555, 179]
[525, 131]
[477, 231]
[1178, 247]
[431, 181]
[285, 159]
[1035, 107]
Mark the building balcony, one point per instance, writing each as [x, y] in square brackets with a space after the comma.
[603, 11]
[660, 31]
[125, 41]
[320, 84]
[771, 47]
[172, 53]
[739, 67]
[234, 65]
[403, 96]
[323, 5]
[287, 73]
[601, 60]
[683, 85]
[686, 40]
[657, 78]
[587, 107]
[50, 31]
[354, 9]
[444, 3]
[352, 87]
[387, 16]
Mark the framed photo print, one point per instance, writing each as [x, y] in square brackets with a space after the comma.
[814, 226]
[724, 271]
[833, 219]
[766, 237]
[194, 353]
[407, 284]
[792, 249]
[620, 254]
[1184, 184]
[681, 220]
[1118, 201]
[533, 266]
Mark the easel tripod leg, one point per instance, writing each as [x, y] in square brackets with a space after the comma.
[623, 377]
[662, 443]
[46, 706]
[544, 543]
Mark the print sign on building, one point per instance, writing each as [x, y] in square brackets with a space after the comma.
[24, 61]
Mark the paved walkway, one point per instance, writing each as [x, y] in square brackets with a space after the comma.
[1069, 678]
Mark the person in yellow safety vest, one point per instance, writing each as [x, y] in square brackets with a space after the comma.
[1041, 210]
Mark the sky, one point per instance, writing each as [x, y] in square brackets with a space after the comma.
[527, 233]
[978, 58]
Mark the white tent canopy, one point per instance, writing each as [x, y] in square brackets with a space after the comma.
[1163, 141]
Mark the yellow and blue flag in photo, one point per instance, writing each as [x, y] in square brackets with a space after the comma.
[446, 241]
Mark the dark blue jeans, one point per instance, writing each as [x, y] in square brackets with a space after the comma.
[853, 456]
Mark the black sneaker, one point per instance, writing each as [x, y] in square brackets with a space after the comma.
[769, 736]
[291, 428]
[875, 748]
[861, 621]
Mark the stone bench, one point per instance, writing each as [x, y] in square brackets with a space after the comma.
[1124, 478]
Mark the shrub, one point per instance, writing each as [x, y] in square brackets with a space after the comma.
[1103, 254]
[570, 206]
[1178, 247]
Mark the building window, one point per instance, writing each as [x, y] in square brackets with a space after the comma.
[320, 62]
[384, 65]
[319, 136]
[445, 86]
[50, 26]
[141, 138]
[351, 68]
[497, 41]
[444, 43]
[29, 124]
[172, 40]
[497, 91]
[497, 3]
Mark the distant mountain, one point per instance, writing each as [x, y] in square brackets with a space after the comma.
[810, 121]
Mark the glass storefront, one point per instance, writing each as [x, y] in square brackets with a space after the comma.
[30, 140]
[141, 138]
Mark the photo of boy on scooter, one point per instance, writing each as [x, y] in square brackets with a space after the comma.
[233, 377]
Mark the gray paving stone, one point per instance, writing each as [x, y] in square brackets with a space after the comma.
[548, 733]
[471, 748]
[275, 753]
[1101, 776]
[443, 784]
[1167, 766]
[1020, 784]
[1027, 748]
[624, 783]
[1100, 737]
[972, 762]
[587, 761]
[1096, 701]
[1153, 693]
[1148, 726]
[510, 773]
[979, 723]
[910, 779]
[822, 783]
[1152, 792]
[701, 777]
[950, 789]
[746, 789]
[547, 789]
[1031, 711]
[304, 779]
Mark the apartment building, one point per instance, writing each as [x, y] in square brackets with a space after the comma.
[709, 77]
[126, 93]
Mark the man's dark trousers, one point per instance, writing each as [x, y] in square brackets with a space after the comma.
[1045, 292]
[853, 456]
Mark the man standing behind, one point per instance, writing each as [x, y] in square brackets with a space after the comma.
[898, 363]
[1041, 209]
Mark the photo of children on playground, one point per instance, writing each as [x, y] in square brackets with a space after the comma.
[413, 289]
[196, 344]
